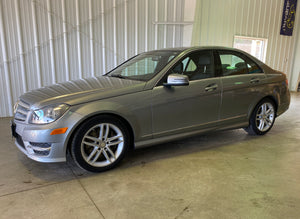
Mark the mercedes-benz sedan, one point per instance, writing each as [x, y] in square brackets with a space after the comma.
[152, 98]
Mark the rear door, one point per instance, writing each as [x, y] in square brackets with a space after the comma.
[242, 81]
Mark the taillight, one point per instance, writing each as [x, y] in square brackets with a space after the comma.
[286, 79]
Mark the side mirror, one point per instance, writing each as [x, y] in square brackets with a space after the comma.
[177, 80]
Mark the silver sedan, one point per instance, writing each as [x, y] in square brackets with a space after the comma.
[152, 98]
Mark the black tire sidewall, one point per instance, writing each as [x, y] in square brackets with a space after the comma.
[81, 131]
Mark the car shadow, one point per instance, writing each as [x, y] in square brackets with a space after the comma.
[209, 141]
[139, 157]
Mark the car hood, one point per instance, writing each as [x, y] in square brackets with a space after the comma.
[81, 91]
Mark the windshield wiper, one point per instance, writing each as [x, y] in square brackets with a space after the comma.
[118, 76]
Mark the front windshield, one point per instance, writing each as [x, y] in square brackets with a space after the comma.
[144, 66]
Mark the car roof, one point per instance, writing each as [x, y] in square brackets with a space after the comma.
[198, 48]
[181, 49]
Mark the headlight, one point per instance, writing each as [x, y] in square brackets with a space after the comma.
[48, 114]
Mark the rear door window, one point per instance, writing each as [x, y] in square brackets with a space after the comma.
[233, 63]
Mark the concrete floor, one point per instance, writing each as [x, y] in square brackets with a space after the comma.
[226, 174]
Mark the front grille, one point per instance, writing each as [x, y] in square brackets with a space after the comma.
[40, 145]
[22, 111]
[42, 149]
[41, 153]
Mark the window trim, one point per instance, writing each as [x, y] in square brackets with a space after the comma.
[212, 51]
[238, 54]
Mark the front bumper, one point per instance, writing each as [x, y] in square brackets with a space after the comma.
[36, 142]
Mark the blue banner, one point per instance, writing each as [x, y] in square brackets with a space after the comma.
[288, 17]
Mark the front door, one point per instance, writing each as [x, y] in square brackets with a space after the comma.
[180, 109]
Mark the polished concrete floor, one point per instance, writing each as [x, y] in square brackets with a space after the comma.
[226, 174]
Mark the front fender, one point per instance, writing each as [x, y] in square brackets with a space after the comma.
[133, 108]
[106, 107]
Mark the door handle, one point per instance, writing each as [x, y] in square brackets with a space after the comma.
[211, 87]
[254, 80]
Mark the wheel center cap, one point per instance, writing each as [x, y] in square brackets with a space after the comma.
[102, 144]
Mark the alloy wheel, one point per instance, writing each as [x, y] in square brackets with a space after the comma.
[265, 117]
[102, 144]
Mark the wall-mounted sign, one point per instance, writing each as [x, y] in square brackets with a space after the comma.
[288, 17]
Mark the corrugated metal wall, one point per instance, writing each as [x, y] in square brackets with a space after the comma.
[217, 21]
[49, 41]
[295, 78]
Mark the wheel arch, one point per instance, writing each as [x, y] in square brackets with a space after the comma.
[270, 97]
[120, 118]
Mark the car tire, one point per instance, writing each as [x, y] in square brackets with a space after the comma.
[100, 143]
[262, 118]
